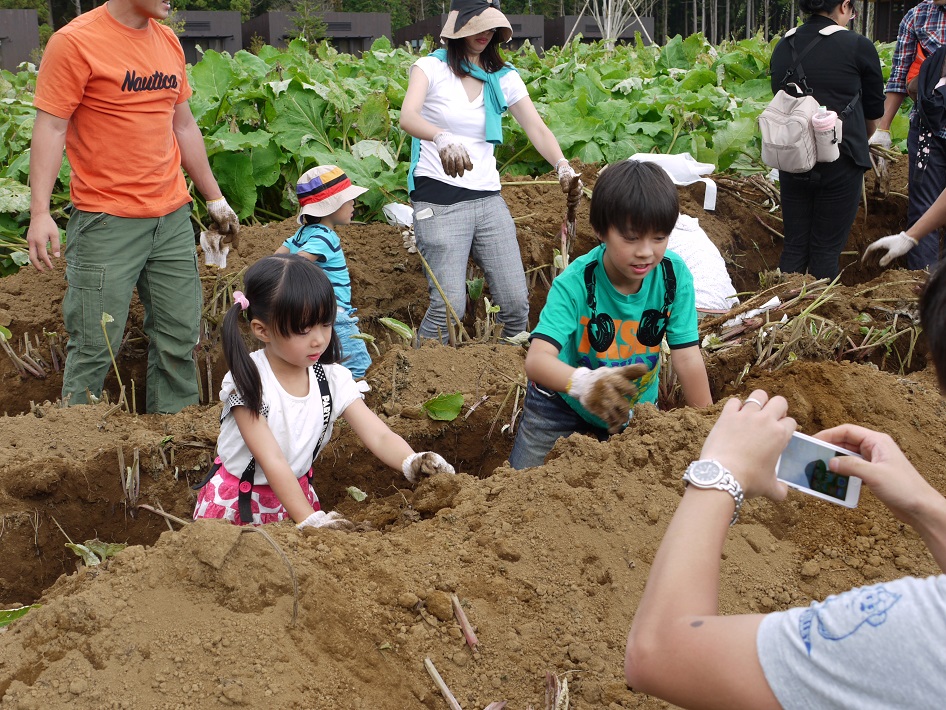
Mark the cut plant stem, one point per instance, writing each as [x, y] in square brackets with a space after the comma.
[450, 311]
[166, 516]
[441, 686]
[468, 633]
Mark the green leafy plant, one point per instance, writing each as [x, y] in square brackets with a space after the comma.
[356, 493]
[268, 115]
[444, 407]
[400, 328]
[8, 616]
[474, 288]
[94, 552]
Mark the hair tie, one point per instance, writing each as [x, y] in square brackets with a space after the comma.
[242, 300]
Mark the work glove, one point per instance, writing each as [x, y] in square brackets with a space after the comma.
[571, 183]
[453, 155]
[223, 216]
[604, 392]
[216, 246]
[424, 463]
[895, 245]
[410, 240]
[881, 138]
[321, 519]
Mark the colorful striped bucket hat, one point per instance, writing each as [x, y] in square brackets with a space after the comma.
[323, 189]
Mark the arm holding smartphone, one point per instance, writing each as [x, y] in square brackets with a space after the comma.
[892, 478]
[679, 648]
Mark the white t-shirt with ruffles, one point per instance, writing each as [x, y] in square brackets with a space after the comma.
[296, 422]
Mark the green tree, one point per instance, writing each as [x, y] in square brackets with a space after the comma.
[307, 20]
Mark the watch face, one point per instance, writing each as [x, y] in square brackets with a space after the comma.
[706, 473]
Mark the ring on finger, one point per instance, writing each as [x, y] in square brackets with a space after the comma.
[754, 401]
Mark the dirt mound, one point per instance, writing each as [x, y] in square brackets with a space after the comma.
[208, 614]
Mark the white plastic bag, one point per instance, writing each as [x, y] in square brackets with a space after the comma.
[712, 284]
[684, 169]
[398, 215]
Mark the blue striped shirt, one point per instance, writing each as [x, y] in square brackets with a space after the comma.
[324, 244]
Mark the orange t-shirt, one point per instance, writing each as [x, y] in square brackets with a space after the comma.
[118, 88]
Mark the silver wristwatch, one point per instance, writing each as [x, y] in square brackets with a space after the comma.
[709, 473]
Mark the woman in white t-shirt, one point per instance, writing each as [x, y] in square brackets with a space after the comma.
[453, 108]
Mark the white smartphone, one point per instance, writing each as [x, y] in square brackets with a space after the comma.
[803, 465]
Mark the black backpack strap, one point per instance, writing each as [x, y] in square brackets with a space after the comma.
[849, 109]
[796, 64]
[214, 467]
[246, 480]
[326, 395]
[246, 489]
[670, 284]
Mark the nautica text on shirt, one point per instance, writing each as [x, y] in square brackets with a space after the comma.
[156, 82]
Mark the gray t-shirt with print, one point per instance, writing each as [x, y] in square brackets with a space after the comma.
[876, 647]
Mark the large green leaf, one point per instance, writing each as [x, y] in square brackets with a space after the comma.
[14, 196]
[234, 173]
[300, 118]
[211, 76]
[444, 407]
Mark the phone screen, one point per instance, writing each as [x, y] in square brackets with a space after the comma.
[804, 466]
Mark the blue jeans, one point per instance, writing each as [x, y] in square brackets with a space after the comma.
[482, 229]
[354, 351]
[927, 181]
[546, 417]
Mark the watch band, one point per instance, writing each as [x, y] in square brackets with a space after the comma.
[727, 483]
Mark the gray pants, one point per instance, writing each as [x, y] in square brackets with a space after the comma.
[447, 238]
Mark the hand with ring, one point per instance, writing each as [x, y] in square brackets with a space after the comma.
[748, 441]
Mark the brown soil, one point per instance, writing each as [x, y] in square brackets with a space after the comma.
[205, 615]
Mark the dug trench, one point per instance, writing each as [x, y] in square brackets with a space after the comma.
[549, 562]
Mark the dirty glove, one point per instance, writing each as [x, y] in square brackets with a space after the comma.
[453, 155]
[216, 246]
[604, 392]
[224, 216]
[881, 138]
[424, 463]
[571, 183]
[410, 240]
[321, 519]
[895, 245]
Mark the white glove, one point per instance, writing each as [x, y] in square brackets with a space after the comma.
[410, 240]
[571, 187]
[424, 463]
[895, 245]
[604, 392]
[216, 246]
[321, 519]
[453, 155]
[881, 138]
[224, 216]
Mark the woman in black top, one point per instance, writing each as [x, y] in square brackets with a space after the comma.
[818, 207]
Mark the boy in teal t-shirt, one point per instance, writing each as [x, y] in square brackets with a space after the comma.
[596, 350]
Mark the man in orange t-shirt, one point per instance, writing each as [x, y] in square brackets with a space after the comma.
[112, 89]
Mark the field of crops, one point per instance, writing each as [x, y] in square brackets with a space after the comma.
[267, 117]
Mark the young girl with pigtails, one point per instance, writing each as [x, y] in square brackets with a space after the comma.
[281, 401]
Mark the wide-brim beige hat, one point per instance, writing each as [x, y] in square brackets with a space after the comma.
[323, 189]
[488, 19]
